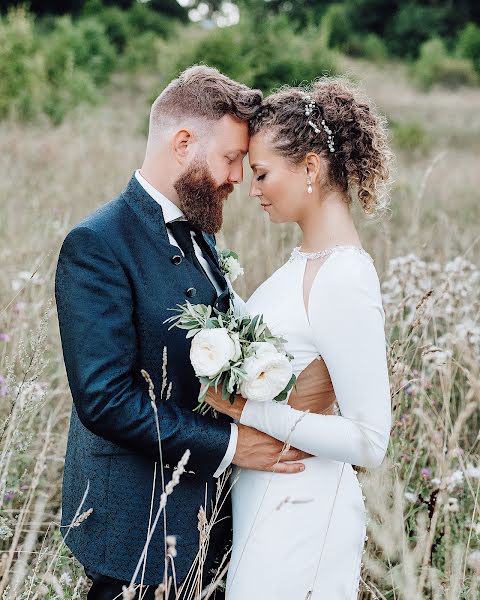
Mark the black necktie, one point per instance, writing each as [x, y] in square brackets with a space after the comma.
[182, 232]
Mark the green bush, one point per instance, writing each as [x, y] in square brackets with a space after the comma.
[435, 66]
[374, 48]
[70, 88]
[140, 53]
[336, 26]
[411, 137]
[143, 19]
[86, 39]
[116, 24]
[412, 25]
[468, 45]
[264, 55]
[21, 67]
[370, 47]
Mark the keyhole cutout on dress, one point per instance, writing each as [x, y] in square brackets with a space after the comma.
[312, 267]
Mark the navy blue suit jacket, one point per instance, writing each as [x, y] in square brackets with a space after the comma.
[116, 279]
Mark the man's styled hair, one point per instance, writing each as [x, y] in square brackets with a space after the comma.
[202, 92]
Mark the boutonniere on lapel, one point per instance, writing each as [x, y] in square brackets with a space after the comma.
[229, 263]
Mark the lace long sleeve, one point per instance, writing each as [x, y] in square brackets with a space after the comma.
[347, 322]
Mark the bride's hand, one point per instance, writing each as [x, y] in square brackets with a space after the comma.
[214, 399]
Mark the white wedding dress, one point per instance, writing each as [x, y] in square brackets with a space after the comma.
[301, 536]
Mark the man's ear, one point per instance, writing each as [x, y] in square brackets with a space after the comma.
[182, 141]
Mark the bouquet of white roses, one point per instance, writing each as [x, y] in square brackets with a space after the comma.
[238, 353]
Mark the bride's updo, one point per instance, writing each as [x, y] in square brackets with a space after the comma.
[361, 159]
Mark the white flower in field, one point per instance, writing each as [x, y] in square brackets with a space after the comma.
[211, 351]
[451, 505]
[268, 373]
[5, 530]
[473, 561]
[454, 481]
[23, 277]
[233, 268]
[65, 579]
[410, 496]
[475, 527]
[472, 472]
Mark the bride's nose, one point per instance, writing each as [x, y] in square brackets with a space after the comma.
[254, 190]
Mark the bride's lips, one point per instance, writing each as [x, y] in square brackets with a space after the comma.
[265, 205]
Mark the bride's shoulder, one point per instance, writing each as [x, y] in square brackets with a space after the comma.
[349, 270]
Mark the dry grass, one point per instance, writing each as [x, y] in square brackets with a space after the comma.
[420, 545]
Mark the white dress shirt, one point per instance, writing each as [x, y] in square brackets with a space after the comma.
[171, 212]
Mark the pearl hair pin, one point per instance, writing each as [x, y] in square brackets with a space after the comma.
[310, 106]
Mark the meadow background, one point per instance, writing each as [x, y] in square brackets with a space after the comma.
[76, 82]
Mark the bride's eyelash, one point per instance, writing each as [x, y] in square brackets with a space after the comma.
[260, 177]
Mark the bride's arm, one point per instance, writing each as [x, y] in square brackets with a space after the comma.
[347, 319]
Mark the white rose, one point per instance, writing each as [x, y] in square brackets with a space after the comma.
[238, 349]
[211, 351]
[233, 268]
[268, 373]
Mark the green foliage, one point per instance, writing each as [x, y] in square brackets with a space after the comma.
[263, 55]
[336, 26]
[55, 63]
[412, 25]
[468, 45]
[143, 19]
[141, 52]
[88, 44]
[374, 48]
[116, 24]
[21, 67]
[410, 137]
[435, 66]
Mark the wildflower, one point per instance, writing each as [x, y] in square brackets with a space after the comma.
[451, 505]
[454, 481]
[472, 472]
[3, 386]
[473, 561]
[65, 579]
[426, 473]
[410, 496]
[4, 337]
[5, 531]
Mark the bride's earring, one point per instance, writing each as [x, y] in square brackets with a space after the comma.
[309, 185]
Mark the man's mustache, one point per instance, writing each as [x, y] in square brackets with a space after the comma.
[226, 189]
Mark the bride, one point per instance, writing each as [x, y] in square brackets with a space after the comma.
[301, 536]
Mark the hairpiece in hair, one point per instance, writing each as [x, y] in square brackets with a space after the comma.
[310, 107]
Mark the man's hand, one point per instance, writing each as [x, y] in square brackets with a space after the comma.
[259, 451]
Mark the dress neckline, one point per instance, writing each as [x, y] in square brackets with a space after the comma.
[298, 254]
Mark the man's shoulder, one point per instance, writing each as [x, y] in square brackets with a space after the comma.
[105, 219]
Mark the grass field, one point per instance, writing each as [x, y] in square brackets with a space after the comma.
[424, 536]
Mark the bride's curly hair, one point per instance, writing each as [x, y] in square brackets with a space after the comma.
[362, 160]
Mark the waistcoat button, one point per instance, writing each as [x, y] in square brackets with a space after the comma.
[191, 292]
[177, 259]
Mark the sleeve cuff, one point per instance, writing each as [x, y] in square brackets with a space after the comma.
[230, 453]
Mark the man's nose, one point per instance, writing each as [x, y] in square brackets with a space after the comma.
[236, 175]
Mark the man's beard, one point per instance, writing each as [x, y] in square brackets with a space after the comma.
[200, 198]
